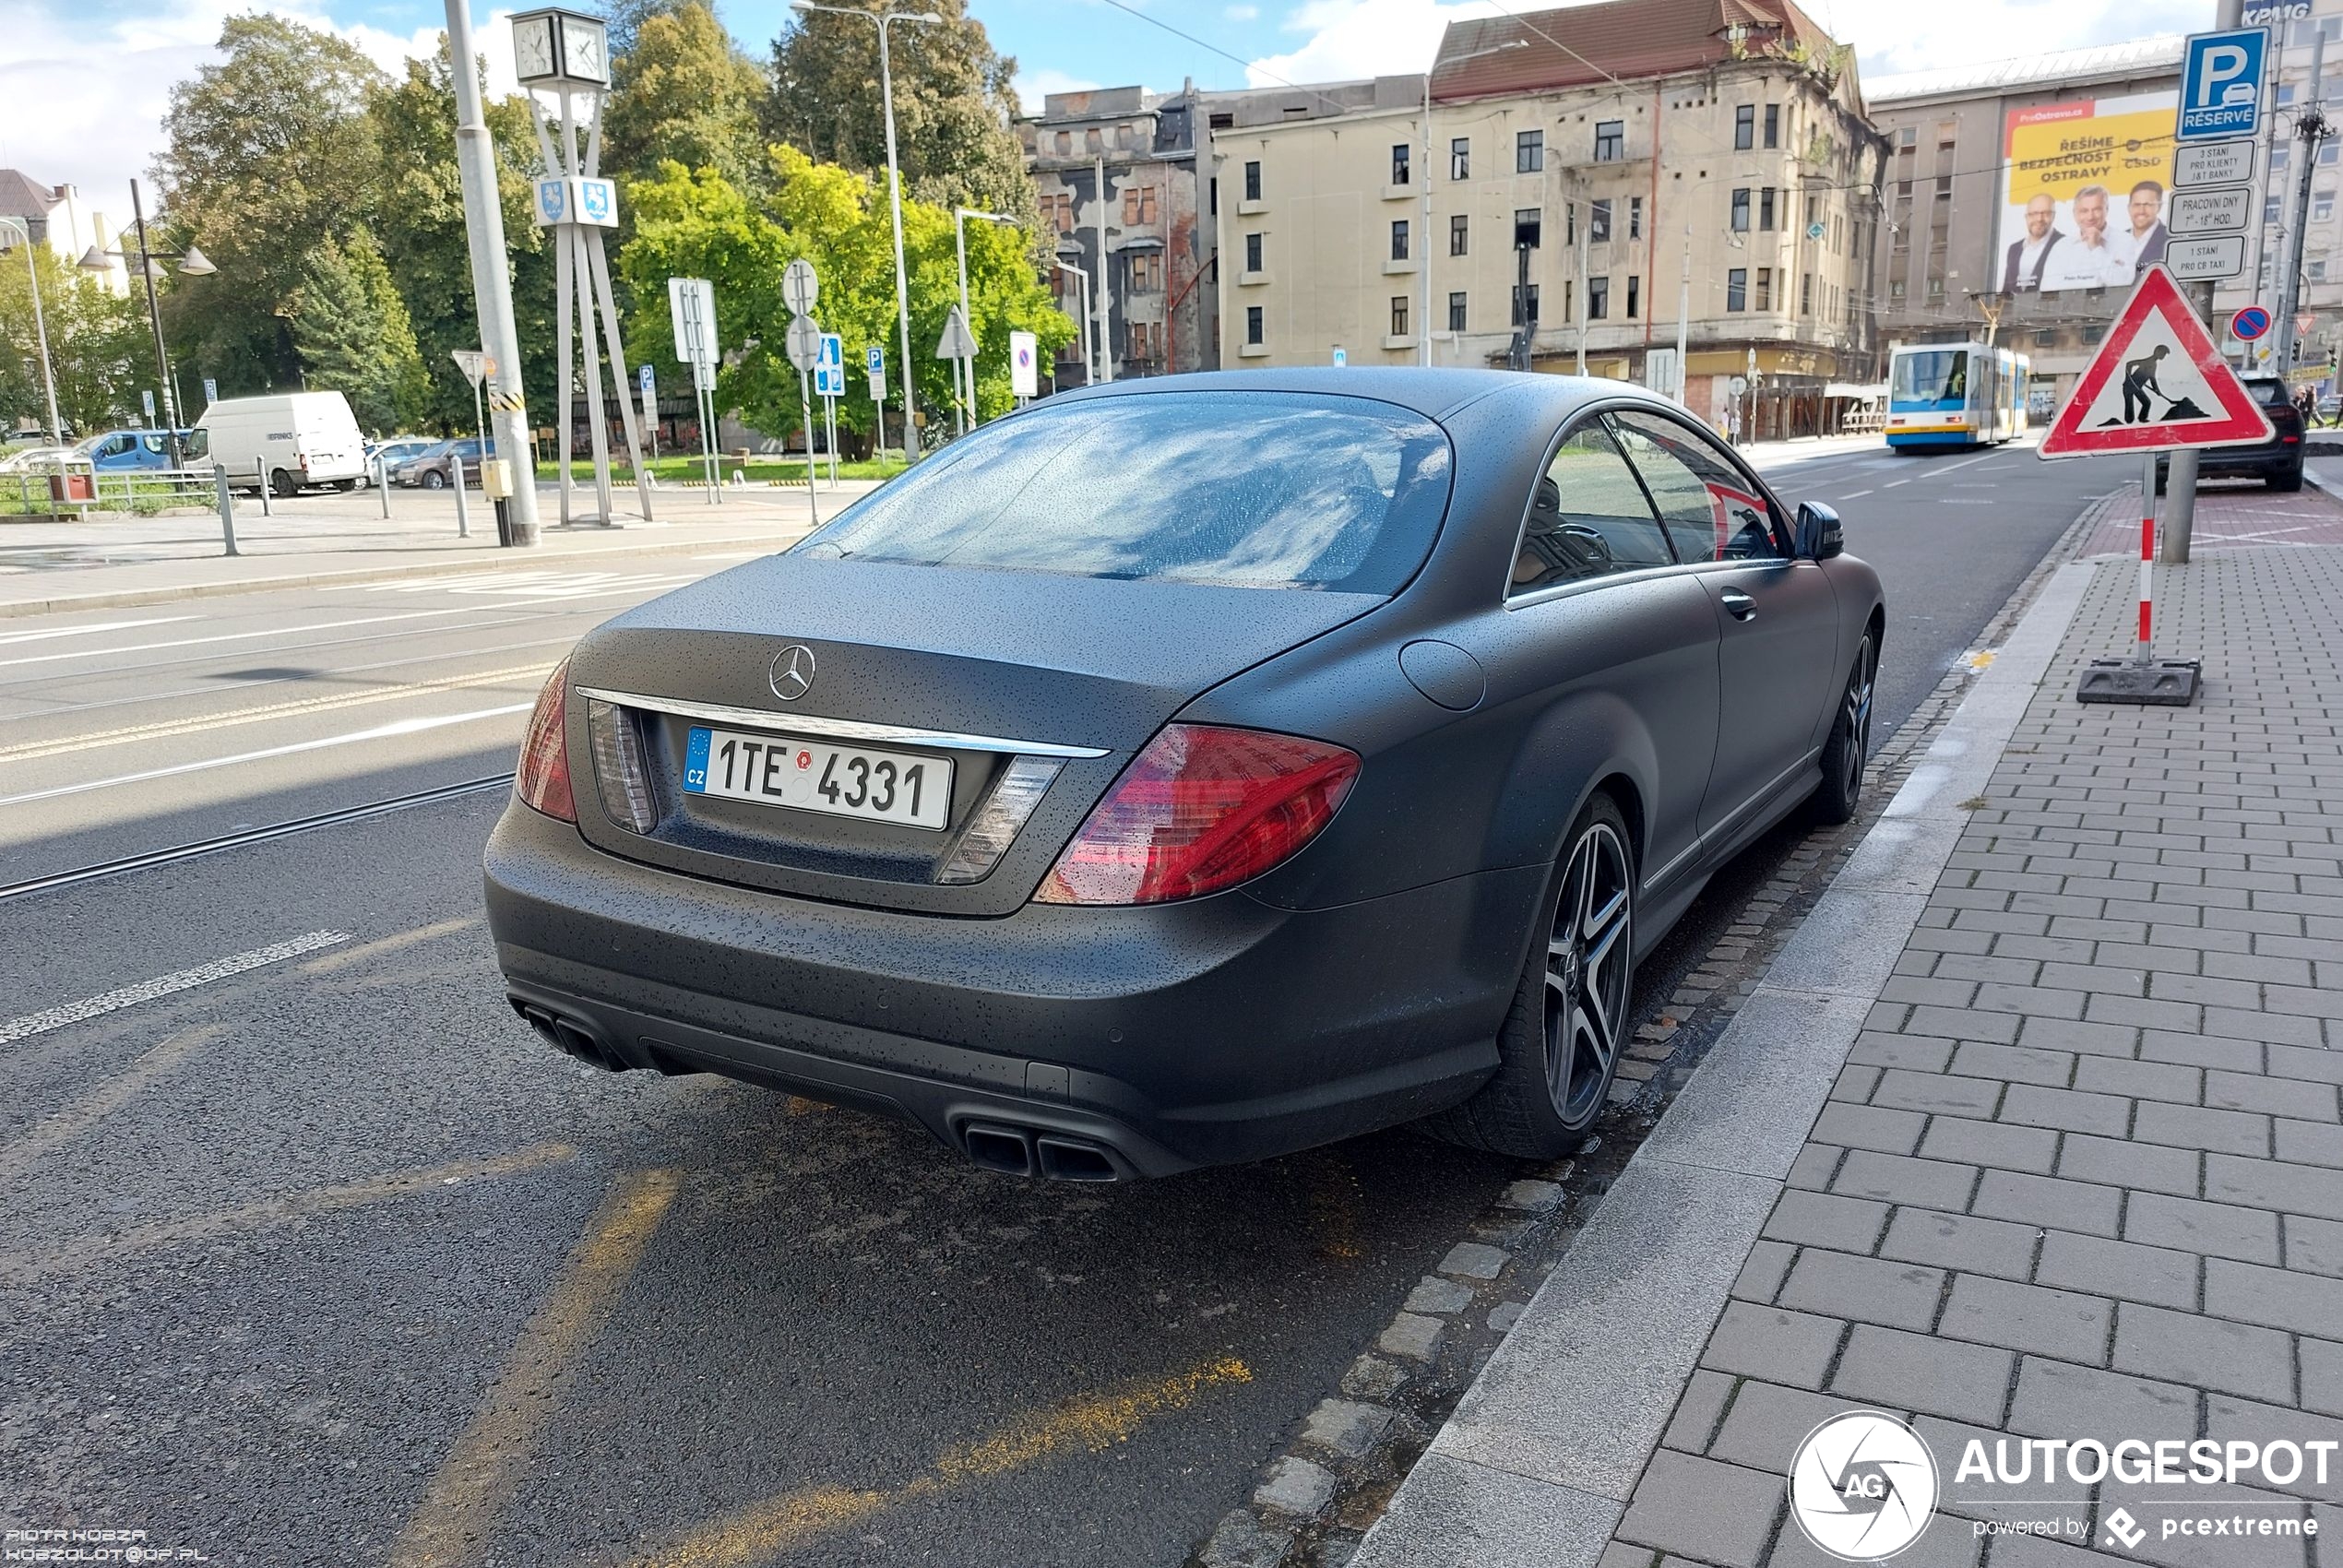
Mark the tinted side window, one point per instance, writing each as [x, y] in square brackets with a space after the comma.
[1711, 511]
[1589, 517]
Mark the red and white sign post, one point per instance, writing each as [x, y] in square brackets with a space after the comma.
[2158, 385]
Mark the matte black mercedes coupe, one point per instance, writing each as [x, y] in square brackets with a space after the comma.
[1191, 770]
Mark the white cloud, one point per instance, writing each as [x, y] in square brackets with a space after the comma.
[1349, 39]
[1243, 13]
[86, 99]
[1033, 86]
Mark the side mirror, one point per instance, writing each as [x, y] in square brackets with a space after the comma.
[1819, 534]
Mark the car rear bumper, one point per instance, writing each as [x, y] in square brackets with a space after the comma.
[1209, 1032]
[2230, 462]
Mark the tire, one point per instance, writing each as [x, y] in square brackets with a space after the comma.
[2287, 483]
[1844, 754]
[435, 480]
[1560, 1043]
[346, 486]
[280, 483]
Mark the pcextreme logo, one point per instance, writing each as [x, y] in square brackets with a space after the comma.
[1863, 1486]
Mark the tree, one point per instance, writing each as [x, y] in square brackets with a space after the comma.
[99, 350]
[351, 330]
[696, 224]
[268, 151]
[954, 106]
[684, 93]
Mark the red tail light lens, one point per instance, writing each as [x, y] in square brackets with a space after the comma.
[1201, 809]
[543, 778]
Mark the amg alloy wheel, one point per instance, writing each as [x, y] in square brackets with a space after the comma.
[1849, 744]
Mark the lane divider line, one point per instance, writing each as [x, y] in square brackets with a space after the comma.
[386, 945]
[9, 638]
[323, 743]
[62, 746]
[90, 1007]
[241, 637]
[452, 1522]
[1095, 1423]
[268, 1213]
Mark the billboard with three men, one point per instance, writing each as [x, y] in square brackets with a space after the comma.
[2084, 192]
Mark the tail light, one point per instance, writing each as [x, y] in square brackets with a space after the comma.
[543, 778]
[1201, 809]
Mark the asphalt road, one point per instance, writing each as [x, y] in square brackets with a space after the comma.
[314, 1254]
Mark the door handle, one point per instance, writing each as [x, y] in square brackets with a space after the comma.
[1738, 605]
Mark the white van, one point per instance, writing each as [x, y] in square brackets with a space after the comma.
[297, 438]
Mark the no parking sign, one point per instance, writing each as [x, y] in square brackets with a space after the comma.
[1025, 368]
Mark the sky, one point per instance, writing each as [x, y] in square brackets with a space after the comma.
[85, 82]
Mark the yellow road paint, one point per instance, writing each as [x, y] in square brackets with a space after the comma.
[452, 1523]
[61, 1127]
[278, 1211]
[1981, 659]
[1096, 1423]
[383, 946]
[60, 747]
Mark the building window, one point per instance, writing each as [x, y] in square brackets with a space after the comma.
[1460, 159]
[2317, 270]
[1634, 297]
[1610, 141]
[1065, 143]
[1907, 135]
[1529, 225]
[1253, 243]
[1398, 239]
[1744, 128]
[1147, 272]
[1458, 227]
[1252, 185]
[1529, 152]
[1765, 288]
[1741, 210]
[1091, 142]
[1137, 347]
[1457, 312]
[1773, 124]
[1253, 324]
[1516, 303]
[1737, 289]
[2327, 151]
[2269, 212]
[1398, 315]
[1806, 293]
[2279, 159]
[1400, 168]
[1634, 218]
[1598, 298]
[1766, 208]
[2321, 206]
[1138, 206]
[1896, 289]
[1599, 222]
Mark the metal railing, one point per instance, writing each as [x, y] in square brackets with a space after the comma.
[73, 489]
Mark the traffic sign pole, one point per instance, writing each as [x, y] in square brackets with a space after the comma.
[2180, 487]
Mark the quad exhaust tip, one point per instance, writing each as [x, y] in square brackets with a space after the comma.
[1019, 1151]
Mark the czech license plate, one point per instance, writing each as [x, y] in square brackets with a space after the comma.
[816, 776]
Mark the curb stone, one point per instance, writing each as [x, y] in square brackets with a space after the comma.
[1539, 1216]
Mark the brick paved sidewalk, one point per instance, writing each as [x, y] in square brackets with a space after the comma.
[2082, 1175]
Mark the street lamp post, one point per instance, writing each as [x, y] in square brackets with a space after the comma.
[193, 264]
[894, 188]
[1082, 294]
[40, 323]
[961, 215]
[1423, 334]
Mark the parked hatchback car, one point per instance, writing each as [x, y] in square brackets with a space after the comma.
[429, 467]
[2277, 462]
[1192, 770]
[122, 451]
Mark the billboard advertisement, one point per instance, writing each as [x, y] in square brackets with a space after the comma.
[2085, 189]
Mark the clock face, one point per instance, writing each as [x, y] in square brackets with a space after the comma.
[533, 48]
[582, 51]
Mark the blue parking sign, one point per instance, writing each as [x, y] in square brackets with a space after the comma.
[2221, 84]
[874, 360]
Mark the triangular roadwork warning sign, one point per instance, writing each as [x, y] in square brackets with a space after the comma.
[2157, 382]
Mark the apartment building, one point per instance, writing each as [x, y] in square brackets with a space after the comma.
[62, 218]
[1607, 171]
[2011, 195]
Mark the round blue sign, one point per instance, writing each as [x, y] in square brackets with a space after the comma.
[2249, 323]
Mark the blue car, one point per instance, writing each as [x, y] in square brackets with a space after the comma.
[116, 450]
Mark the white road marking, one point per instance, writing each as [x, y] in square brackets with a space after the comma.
[88, 1007]
[239, 636]
[1893, 483]
[6, 637]
[1981, 456]
[546, 585]
[323, 743]
[1855, 495]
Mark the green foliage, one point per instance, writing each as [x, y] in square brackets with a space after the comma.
[100, 347]
[697, 225]
[954, 105]
[684, 93]
[351, 330]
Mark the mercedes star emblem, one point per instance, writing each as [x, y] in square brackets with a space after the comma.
[792, 674]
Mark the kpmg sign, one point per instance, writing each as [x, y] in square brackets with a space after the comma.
[2221, 84]
[2270, 16]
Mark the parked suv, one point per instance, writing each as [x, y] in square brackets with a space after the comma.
[429, 469]
[2277, 462]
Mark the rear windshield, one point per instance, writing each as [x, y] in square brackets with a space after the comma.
[1276, 490]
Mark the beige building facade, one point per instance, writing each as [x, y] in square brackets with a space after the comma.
[1701, 160]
